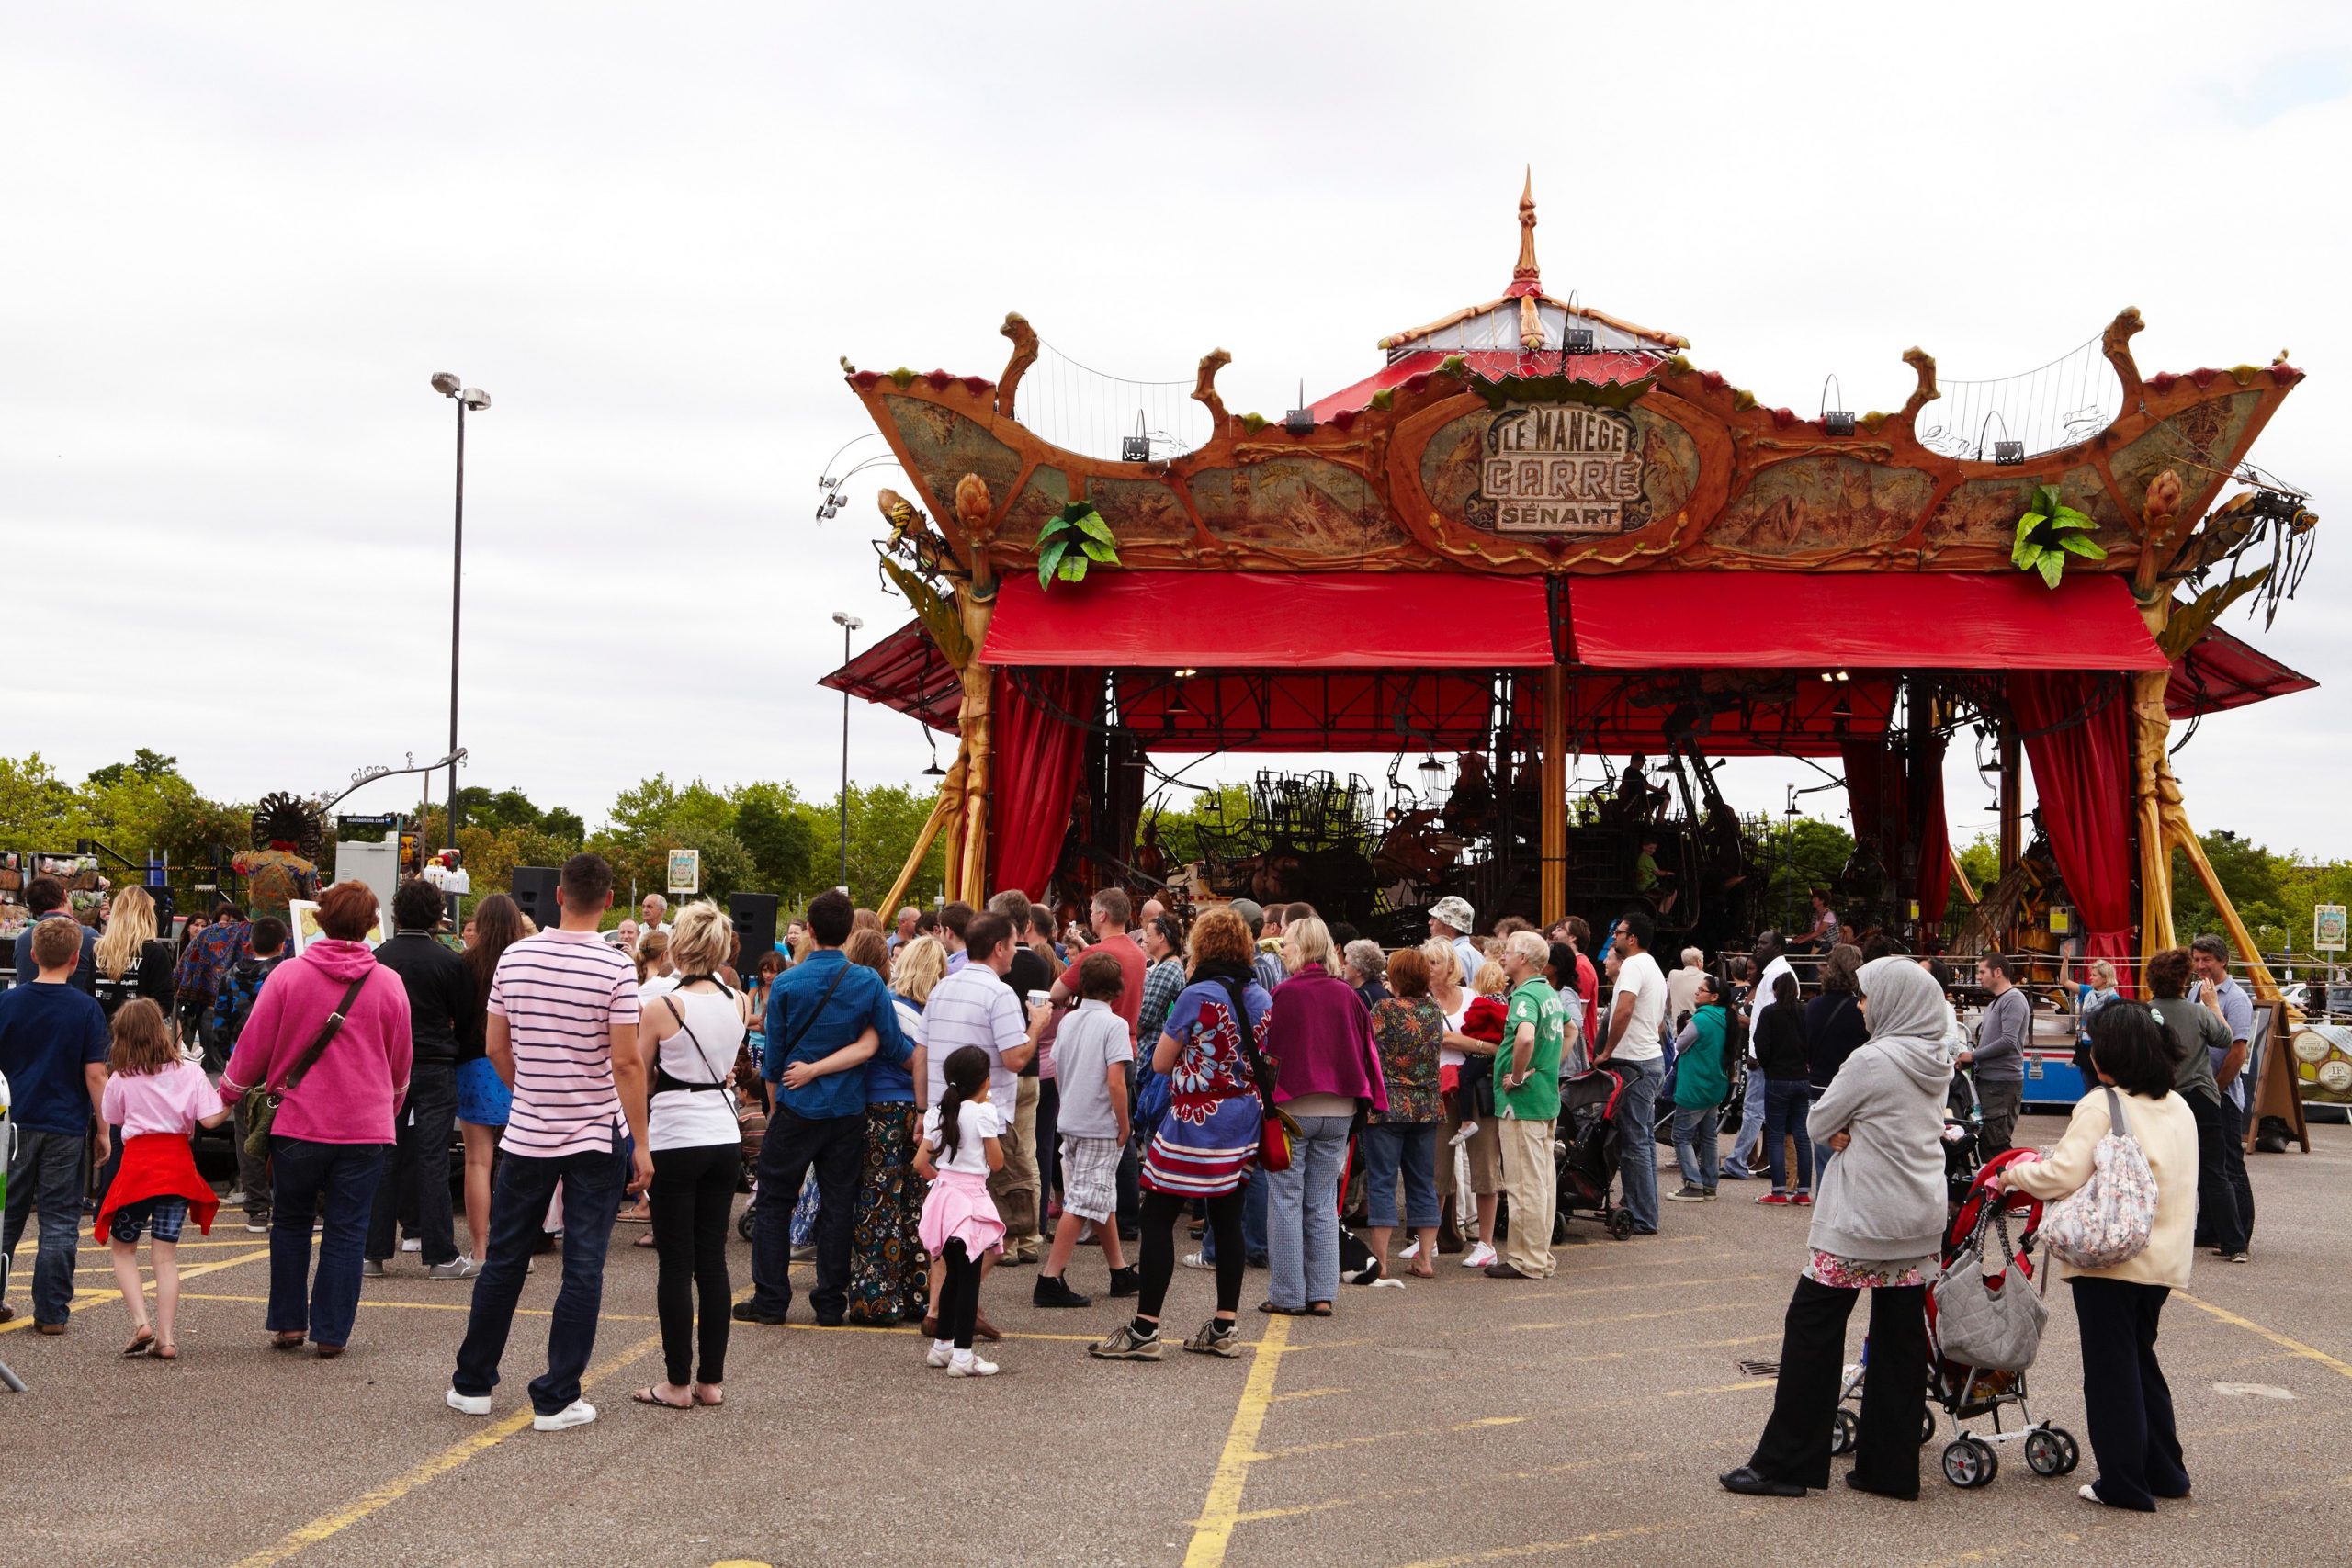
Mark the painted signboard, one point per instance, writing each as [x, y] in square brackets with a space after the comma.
[1566, 470]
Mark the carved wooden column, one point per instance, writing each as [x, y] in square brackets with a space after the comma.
[1552, 896]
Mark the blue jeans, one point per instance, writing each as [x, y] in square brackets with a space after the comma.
[1388, 1146]
[1303, 1214]
[1751, 1127]
[592, 1183]
[45, 1173]
[336, 1182]
[1695, 1148]
[1638, 1167]
[1253, 1223]
[1786, 1101]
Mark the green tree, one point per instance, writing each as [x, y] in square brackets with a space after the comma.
[145, 764]
[780, 832]
[2256, 882]
[38, 810]
[1981, 859]
[883, 822]
[1804, 853]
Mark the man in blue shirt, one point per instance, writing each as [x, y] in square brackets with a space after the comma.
[53, 1058]
[827, 1017]
[45, 897]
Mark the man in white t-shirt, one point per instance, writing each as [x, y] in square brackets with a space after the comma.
[1630, 1042]
[649, 912]
[1771, 963]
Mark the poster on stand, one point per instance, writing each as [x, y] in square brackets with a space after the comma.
[307, 930]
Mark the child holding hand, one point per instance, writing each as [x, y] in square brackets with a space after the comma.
[960, 1147]
[158, 1099]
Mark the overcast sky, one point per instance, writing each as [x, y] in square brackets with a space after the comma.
[243, 238]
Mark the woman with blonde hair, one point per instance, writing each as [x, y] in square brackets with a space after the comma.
[689, 1034]
[888, 1272]
[131, 961]
[1327, 1072]
[1485, 1144]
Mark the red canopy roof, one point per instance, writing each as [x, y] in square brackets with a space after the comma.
[904, 672]
[1621, 366]
[1765, 620]
[1340, 620]
[2223, 672]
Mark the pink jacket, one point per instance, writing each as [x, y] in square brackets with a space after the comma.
[1319, 1035]
[351, 1095]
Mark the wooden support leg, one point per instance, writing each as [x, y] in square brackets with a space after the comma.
[1552, 890]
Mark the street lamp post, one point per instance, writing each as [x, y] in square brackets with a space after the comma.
[474, 398]
[848, 624]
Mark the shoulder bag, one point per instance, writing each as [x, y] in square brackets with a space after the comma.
[1277, 1127]
[2107, 1220]
[1992, 1322]
[261, 1104]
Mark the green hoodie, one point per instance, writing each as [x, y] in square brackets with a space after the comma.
[1700, 1081]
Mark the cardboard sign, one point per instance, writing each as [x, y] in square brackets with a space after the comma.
[685, 871]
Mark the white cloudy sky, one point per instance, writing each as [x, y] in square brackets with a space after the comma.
[241, 237]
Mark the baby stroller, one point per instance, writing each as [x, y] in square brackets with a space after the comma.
[1587, 1151]
[1961, 1124]
[1965, 1392]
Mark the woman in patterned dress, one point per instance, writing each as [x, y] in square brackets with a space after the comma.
[889, 1271]
[1208, 1141]
[1408, 1029]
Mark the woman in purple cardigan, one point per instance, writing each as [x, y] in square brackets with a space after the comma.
[1327, 1069]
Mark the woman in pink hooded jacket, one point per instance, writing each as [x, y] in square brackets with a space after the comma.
[326, 1144]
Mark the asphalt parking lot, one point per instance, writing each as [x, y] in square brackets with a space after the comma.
[1453, 1422]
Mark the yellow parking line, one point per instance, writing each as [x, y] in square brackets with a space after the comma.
[86, 1299]
[440, 1464]
[1213, 1532]
[2296, 1346]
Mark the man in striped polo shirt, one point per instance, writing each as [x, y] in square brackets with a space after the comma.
[562, 1031]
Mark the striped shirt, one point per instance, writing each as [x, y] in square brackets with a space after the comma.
[973, 1007]
[560, 993]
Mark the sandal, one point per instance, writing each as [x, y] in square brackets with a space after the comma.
[645, 1240]
[1318, 1309]
[141, 1343]
[1287, 1311]
[646, 1396]
[289, 1338]
[167, 1351]
[707, 1403]
[328, 1352]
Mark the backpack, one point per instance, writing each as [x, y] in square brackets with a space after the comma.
[239, 988]
[2108, 1219]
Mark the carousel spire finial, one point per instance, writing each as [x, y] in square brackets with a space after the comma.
[1525, 272]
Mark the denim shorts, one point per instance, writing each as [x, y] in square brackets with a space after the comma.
[161, 1218]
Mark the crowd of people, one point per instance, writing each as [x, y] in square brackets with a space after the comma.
[919, 1108]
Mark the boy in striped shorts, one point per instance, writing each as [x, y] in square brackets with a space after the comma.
[1092, 1056]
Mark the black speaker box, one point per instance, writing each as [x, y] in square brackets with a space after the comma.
[754, 914]
[533, 889]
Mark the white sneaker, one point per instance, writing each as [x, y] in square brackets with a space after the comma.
[1196, 1261]
[942, 1351]
[1469, 1131]
[1412, 1250]
[1478, 1256]
[235, 1200]
[467, 1403]
[968, 1365]
[412, 1245]
[579, 1413]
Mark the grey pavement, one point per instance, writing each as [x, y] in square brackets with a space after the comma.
[1457, 1421]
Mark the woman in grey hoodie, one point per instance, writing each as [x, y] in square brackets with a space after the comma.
[1878, 1223]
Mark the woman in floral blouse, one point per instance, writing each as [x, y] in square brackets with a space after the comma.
[1407, 1028]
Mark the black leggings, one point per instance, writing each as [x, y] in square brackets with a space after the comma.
[694, 1197]
[959, 1295]
[1160, 1211]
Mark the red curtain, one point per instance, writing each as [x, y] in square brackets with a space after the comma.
[1035, 774]
[2082, 778]
[1880, 779]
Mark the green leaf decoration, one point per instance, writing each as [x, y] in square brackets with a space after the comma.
[2067, 517]
[1096, 550]
[2046, 499]
[1049, 555]
[2190, 622]
[1073, 569]
[1093, 527]
[2089, 549]
[2029, 523]
[938, 617]
[1070, 541]
[2051, 565]
[2024, 553]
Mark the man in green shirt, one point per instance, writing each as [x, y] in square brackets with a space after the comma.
[1527, 1099]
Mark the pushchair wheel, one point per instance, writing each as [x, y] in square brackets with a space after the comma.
[1846, 1426]
[1926, 1426]
[2045, 1450]
[1559, 1229]
[1621, 1224]
[743, 1222]
[1968, 1464]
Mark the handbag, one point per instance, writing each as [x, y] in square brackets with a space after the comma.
[1992, 1322]
[2107, 1219]
[261, 1104]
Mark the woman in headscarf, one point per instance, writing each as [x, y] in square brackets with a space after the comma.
[1877, 1223]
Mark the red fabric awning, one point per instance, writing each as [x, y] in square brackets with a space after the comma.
[1340, 620]
[904, 672]
[1754, 620]
[2221, 671]
[1621, 367]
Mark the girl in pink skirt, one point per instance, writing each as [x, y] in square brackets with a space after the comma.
[960, 1147]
